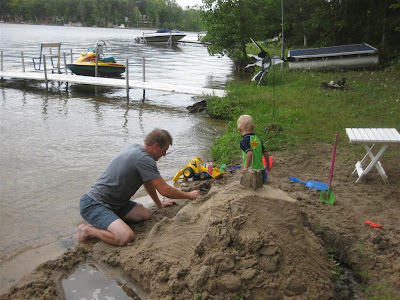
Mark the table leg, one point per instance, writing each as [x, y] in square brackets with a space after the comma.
[374, 162]
[364, 158]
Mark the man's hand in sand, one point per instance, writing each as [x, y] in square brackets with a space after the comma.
[168, 203]
[194, 194]
[191, 195]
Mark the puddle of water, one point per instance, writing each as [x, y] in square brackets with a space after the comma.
[346, 283]
[346, 286]
[89, 282]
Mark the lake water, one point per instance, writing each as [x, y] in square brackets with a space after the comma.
[55, 143]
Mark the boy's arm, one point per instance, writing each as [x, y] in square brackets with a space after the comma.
[249, 159]
[266, 156]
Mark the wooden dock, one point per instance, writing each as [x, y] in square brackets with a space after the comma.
[112, 82]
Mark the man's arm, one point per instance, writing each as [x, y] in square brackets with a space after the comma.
[153, 194]
[168, 191]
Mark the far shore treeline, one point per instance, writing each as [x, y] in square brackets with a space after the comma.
[230, 23]
[307, 23]
[102, 13]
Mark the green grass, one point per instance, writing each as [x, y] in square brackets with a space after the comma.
[292, 108]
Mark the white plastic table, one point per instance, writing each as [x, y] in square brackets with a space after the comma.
[366, 136]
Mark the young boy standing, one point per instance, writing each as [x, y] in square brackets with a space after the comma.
[252, 148]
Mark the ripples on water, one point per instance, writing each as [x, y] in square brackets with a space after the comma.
[55, 144]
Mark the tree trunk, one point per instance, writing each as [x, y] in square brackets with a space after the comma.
[383, 38]
[244, 52]
[240, 66]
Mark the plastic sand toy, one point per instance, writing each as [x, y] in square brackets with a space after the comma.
[197, 169]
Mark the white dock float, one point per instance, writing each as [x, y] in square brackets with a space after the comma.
[113, 82]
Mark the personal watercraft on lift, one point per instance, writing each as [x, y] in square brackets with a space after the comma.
[106, 65]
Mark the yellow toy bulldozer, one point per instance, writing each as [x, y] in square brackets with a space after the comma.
[198, 170]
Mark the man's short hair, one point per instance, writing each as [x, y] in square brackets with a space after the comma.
[159, 136]
[245, 122]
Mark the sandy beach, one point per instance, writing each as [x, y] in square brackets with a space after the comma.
[272, 243]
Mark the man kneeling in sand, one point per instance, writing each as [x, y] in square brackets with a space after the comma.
[107, 205]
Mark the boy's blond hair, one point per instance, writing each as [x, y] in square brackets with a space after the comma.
[246, 123]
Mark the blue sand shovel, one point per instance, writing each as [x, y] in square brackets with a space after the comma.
[312, 184]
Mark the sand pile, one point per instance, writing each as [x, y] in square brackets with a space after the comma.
[229, 243]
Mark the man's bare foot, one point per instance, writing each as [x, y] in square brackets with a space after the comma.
[82, 235]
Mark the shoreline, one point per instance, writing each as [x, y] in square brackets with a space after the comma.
[24, 261]
[136, 28]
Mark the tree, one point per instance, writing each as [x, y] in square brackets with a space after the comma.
[339, 22]
[298, 21]
[17, 9]
[153, 11]
[135, 16]
[191, 20]
[230, 24]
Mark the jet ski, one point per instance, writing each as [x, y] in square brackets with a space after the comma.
[106, 65]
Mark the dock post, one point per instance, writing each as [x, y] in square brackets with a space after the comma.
[127, 78]
[59, 59]
[144, 75]
[23, 61]
[65, 63]
[144, 68]
[45, 72]
[96, 63]
[65, 68]
[71, 56]
[2, 61]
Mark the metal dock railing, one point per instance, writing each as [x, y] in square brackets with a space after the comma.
[102, 81]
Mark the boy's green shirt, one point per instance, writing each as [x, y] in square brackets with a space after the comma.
[256, 146]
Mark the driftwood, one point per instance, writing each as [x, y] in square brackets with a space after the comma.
[197, 107]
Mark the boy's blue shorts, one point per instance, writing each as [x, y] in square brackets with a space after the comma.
[100, 216]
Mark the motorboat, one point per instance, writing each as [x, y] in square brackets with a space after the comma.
[161, 36]
[106, 65]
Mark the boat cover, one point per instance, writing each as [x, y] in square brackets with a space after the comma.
[333, 51]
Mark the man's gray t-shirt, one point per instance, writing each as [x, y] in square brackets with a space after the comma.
[123, 176]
